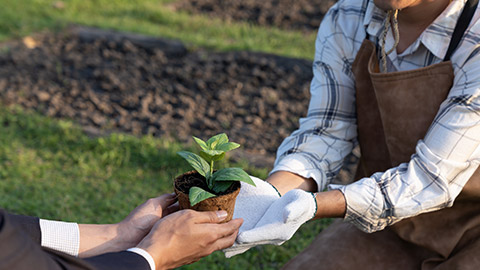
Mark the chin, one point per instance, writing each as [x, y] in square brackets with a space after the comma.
[393, 4]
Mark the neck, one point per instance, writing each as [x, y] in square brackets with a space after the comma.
[414, 19]
[422, 13]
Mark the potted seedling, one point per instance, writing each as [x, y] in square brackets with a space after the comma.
[205, 188]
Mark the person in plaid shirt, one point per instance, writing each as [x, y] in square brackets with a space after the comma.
[401, 78]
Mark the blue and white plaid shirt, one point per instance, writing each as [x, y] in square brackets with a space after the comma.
[444, 160]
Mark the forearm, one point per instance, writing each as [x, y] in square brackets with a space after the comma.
[330, 204]
[285, 181]
[99, 239]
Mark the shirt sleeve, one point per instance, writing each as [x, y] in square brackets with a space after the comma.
[60, 236]
[444, 161]
[328, 133]
[65, 237]
[20, 251]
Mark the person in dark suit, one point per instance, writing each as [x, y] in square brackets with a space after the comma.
[153, 236]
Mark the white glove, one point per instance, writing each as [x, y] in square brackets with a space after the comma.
[251, 204]
[282, 219]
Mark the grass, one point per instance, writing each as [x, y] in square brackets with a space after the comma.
[151, 17]
[50, 168]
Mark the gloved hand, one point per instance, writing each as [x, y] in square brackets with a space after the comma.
[282, 219]
[251, 204]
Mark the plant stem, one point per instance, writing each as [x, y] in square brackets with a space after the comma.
[209, 181]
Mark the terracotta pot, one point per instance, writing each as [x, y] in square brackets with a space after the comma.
[224, 201]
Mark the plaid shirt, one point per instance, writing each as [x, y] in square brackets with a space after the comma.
[444, 160]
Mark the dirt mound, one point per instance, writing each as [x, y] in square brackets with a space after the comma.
[287, 14]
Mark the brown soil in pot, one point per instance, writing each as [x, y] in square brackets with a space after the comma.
[224, 201]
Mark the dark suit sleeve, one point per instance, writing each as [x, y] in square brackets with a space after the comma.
[18, 251]
[123, 260]
[28, 225]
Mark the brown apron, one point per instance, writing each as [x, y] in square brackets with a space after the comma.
[394, 111]
[405, 105]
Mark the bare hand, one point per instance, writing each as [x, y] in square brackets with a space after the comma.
[186, 236]
[141, 220]
[97, 239]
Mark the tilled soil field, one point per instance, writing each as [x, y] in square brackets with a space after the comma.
[303, 15]
[119, 83]
[124, 82]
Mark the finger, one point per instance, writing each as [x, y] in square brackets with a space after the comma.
[226, 241]
[261, 234]
[236, 223]
[235, 250]
[171, 209]
[209, 216]
[226, 229]
[291, 213]
[166, 200]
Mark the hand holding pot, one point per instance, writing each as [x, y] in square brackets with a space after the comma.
[96, 239]
[141, 220]
[186, 236]
[282, 219]
[251, 204]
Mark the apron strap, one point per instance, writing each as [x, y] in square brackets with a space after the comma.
[461, 26]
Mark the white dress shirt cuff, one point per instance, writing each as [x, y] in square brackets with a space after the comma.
[60, 236]
[145, 255]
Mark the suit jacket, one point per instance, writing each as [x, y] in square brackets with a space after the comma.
[20, 249]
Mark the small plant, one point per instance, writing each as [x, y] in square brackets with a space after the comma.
[213, 150]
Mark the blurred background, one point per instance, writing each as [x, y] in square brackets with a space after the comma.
[96, 98]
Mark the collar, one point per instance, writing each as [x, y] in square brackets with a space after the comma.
[435, 38]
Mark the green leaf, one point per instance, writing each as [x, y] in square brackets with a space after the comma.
[213, 152]
[212, 155]
[201, 143]
[232, 174]
[197, 162]
[227, 146]
[196, 195]
[217, 140]
[209, 180]
[222, 186]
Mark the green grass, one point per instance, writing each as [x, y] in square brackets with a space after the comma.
[151, 17]
[50, 168]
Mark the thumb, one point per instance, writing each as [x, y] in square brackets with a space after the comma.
[267, 234]
[171, 209]
[299, 204]
[165, 200]
[290, 213]
[249, 237]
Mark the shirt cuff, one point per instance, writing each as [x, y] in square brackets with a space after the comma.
[365, 205]
[145, 255]
[299, 164]
[60, 236]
